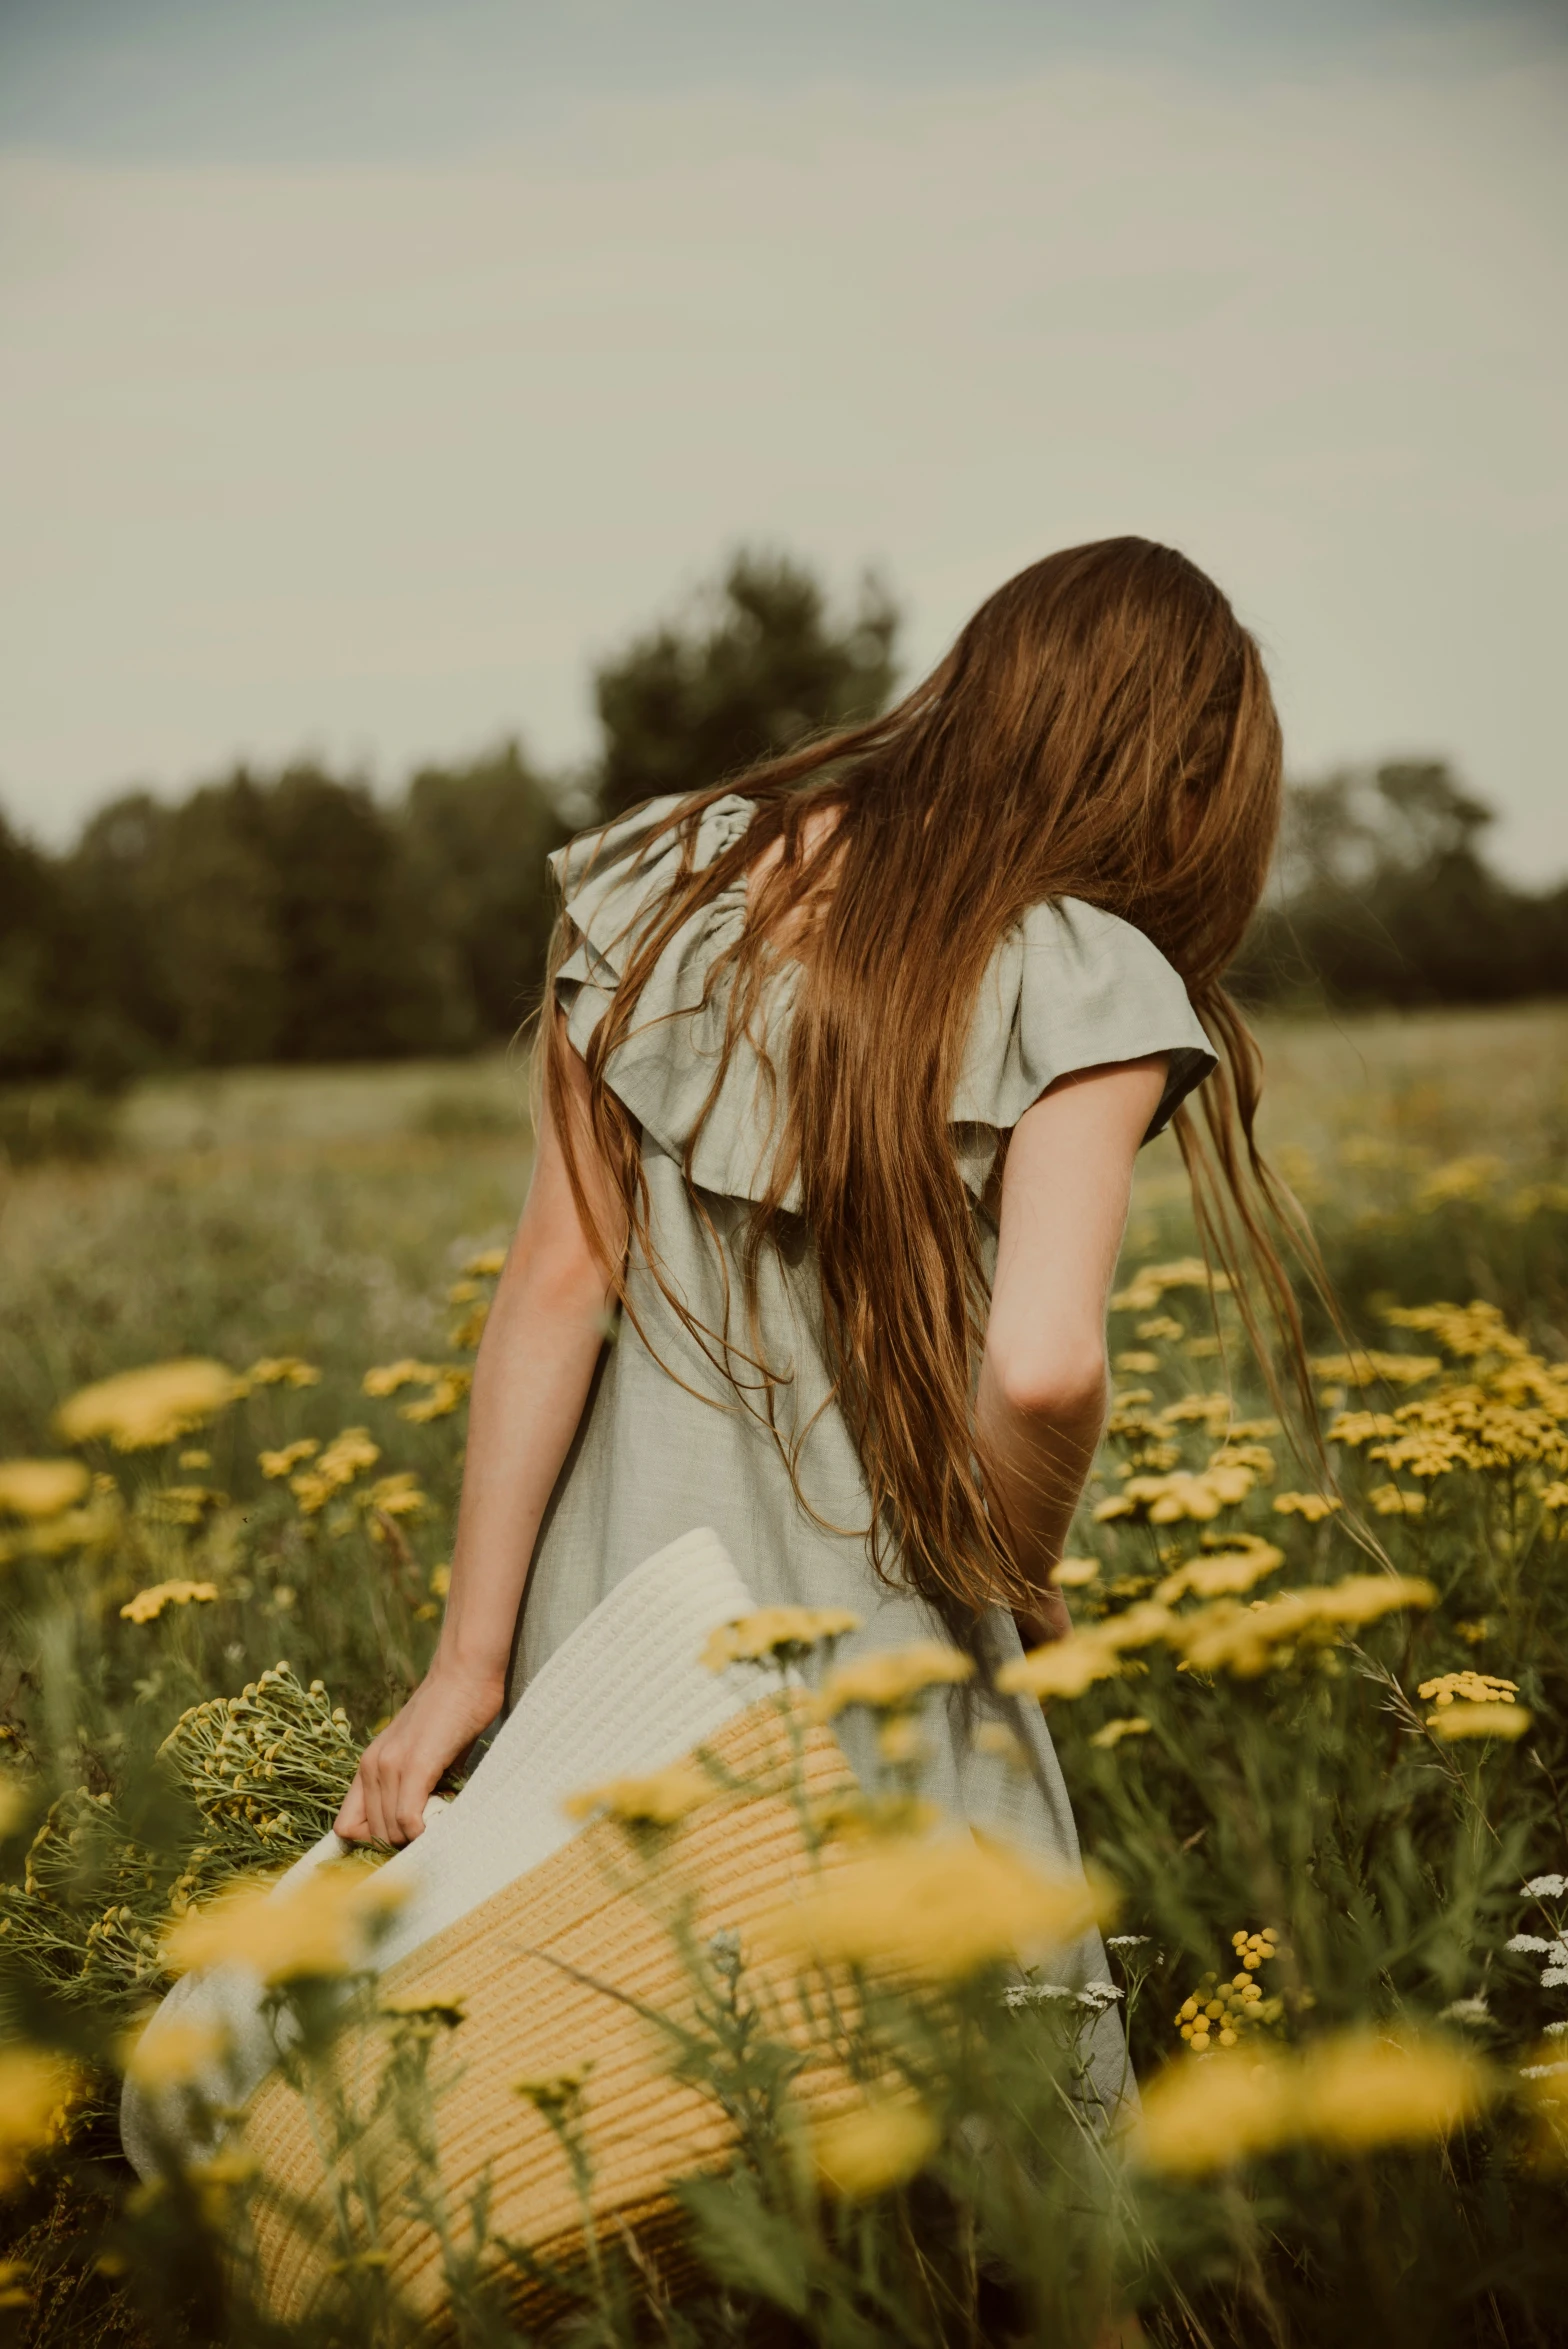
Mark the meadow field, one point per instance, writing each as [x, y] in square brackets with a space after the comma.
[1314, 1720]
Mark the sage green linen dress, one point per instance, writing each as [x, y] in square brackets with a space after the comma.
[663, 1449]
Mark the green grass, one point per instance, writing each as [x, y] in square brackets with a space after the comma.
[327, 1215]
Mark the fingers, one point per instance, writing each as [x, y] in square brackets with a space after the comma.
[352, 1821]
[386, 1803]
[380, 1792]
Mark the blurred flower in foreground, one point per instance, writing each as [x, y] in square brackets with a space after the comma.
[657, 1800]
[1391, 1500]
[143, 1408]
[324, 1926]
[175, 2054]
[942, 1909]
[1062, 1668]
[1312, 1507]
[1125, 1725]
[878, 2145]
[1249, 1640]
[1508, 1721]
[1075, 1573]
[282, 1370]
[893, 1680]
[149, 1604]
[40, 1488]
[35, 2091]
[1350, 2092]
[775, 1635]
[285, 1461]
[1222, 1574]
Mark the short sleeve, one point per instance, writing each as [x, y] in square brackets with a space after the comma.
[671, 1069]
[1070, 987]
[614, 879]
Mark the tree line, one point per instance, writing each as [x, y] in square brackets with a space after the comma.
[299, 916]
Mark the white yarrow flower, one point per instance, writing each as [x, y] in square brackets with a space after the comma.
[1528, 1941]
[1545, 1887]
[1466, 2010]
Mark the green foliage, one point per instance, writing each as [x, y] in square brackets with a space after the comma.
[758, 666]
[1383, 895]
[292, 919]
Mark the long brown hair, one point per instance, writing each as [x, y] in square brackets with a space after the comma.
[1102, 729]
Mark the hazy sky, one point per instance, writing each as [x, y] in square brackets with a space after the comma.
[369, 368]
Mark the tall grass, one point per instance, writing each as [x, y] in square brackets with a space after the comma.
[1259, 1777]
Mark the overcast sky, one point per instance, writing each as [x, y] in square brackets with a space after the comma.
[368, 369]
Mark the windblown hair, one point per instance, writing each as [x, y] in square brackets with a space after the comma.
[1102, 729]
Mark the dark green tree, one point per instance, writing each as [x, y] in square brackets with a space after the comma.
[1382, 894]
[34, 1030]
[758, 663]
[476, 839]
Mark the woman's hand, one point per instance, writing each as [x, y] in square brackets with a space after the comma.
[399, 1770]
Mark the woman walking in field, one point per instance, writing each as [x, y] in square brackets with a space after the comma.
[846, 1069]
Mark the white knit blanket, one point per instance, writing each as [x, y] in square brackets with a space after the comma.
[625, 1694]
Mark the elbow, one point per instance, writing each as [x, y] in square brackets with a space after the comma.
[1059, 1388]
[565, 1281]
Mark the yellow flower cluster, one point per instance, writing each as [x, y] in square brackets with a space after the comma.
[893, 1681]
[148, 1605]
[1351, 2091]
[1456, 1179]
[36, 2090]
[1313, 1507]
[1152, 1280]
[446, 1385]
[1111, 1734]
[288, 1458]
[346, 1457]
[325, 1926]
[940, 1910]
[1223, 1636]
[1506, 1720]
[398, 1495]
[282, 1370]
[661, 1798]
[874, 2146]
[1166, 1500]
[1078, 1573]
[180, 1504]
[1249, 1640]
[141, 1409]
[1373, 1369]
[1218, 2014]
[1391, 1500]
[175, 2054]
[1222, 1573]
[776, 1635]
[41, 1488]
[1475, 1688]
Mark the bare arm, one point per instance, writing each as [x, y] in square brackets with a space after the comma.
[1040, 1406]
[531, 1380]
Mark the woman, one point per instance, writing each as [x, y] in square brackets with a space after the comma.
[846, 1070]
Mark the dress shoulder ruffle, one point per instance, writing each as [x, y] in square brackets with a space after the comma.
[1070, 987]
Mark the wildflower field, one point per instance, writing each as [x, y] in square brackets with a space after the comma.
[1315, 1730]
